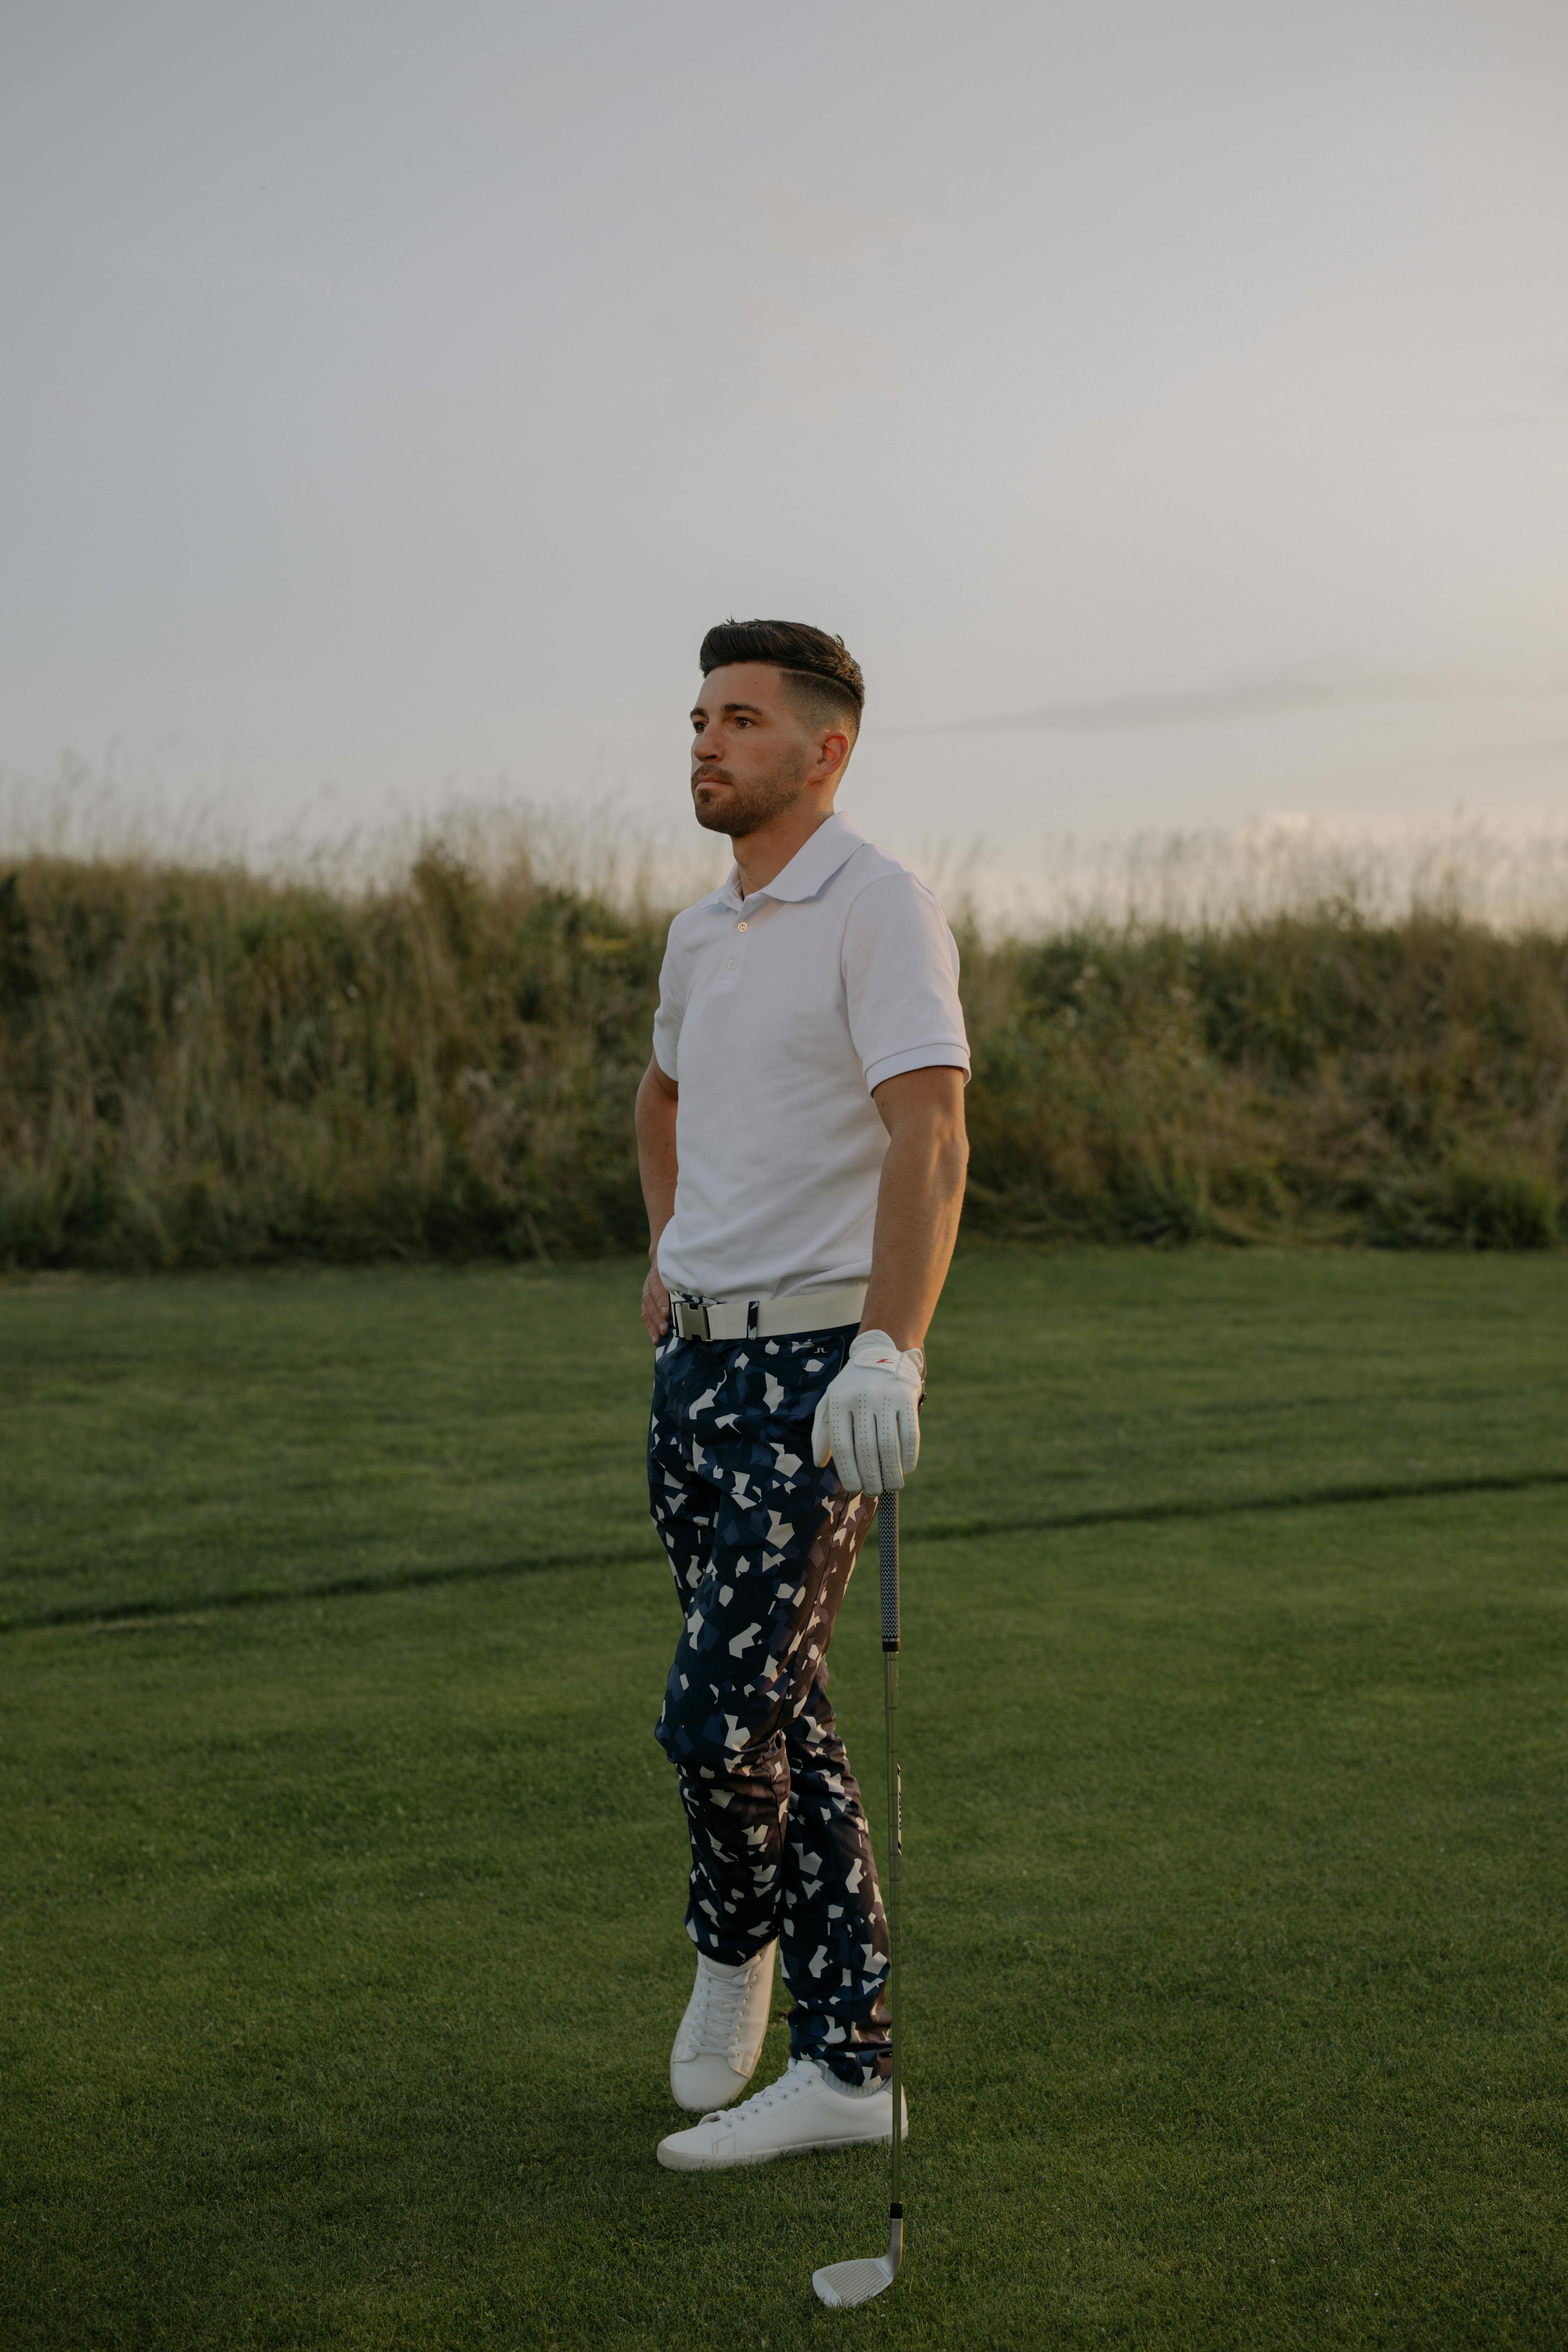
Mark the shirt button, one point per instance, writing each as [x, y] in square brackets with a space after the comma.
[739, 926]
[731, 965]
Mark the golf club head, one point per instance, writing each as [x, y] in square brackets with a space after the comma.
[842, 2284]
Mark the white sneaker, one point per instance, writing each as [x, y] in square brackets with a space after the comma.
[807, 2107]
[721, 2037]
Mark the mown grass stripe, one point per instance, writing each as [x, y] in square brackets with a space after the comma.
[1303, 1498]
[94, 1617]
[93, 1614]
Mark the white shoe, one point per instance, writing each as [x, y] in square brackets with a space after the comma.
[807, 2107]
[721, 2037]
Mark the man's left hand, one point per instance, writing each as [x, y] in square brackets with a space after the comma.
[654, 1307]
[868, 1420]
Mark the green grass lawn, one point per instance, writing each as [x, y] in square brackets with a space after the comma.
[343, 1881]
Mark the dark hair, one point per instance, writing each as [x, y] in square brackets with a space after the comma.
[826, 680]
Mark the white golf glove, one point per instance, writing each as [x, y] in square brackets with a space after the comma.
[868, 1420]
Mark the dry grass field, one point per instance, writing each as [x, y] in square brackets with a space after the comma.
[211, 1066]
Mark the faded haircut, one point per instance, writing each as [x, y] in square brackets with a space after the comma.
[824, 681]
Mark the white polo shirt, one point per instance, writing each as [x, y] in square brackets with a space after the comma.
[778, 1013]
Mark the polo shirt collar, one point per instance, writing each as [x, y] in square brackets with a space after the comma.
[817, 861]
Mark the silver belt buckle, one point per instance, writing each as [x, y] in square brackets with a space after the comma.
[691, 1318]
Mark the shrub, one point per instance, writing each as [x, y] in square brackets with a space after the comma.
[203, 1067]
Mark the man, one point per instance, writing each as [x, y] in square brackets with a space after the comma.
[800, 1130]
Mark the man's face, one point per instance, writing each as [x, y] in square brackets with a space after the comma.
[751, 749]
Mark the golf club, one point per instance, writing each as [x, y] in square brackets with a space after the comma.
[844, 2283]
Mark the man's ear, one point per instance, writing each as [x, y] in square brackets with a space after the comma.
[835, 735]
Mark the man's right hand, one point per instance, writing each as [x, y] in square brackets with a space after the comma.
[868, 1420]
[655, 1306]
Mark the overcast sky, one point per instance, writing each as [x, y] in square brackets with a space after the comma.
[1166, 399]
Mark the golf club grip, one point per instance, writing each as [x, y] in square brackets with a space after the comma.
[888, 1538]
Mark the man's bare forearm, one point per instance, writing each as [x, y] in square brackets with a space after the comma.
[657, 1099]
[917, 1203]
[656, 1114]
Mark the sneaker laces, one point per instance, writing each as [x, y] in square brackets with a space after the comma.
[800, 2074]
[711, 2033]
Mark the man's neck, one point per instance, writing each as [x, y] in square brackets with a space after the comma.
[762, 856]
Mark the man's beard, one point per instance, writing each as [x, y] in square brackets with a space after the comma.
[745, 808]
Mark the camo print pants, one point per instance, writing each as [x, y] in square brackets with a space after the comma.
[762, 1544]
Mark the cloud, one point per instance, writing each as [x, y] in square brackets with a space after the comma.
[786, 222]
[779, 337]
[1550, 751]
[800, 226]
[757, 364]
[1516, 420]
[1543, 410]
[1264, 694]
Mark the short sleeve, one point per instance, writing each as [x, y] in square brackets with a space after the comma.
[671, 1008]
[900, 977]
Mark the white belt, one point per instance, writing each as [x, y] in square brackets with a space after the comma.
[767, 1319]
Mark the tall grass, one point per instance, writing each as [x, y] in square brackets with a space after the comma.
[204, 1066]
[1313, 1075]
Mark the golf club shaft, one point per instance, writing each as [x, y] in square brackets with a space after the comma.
[888, 1538]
